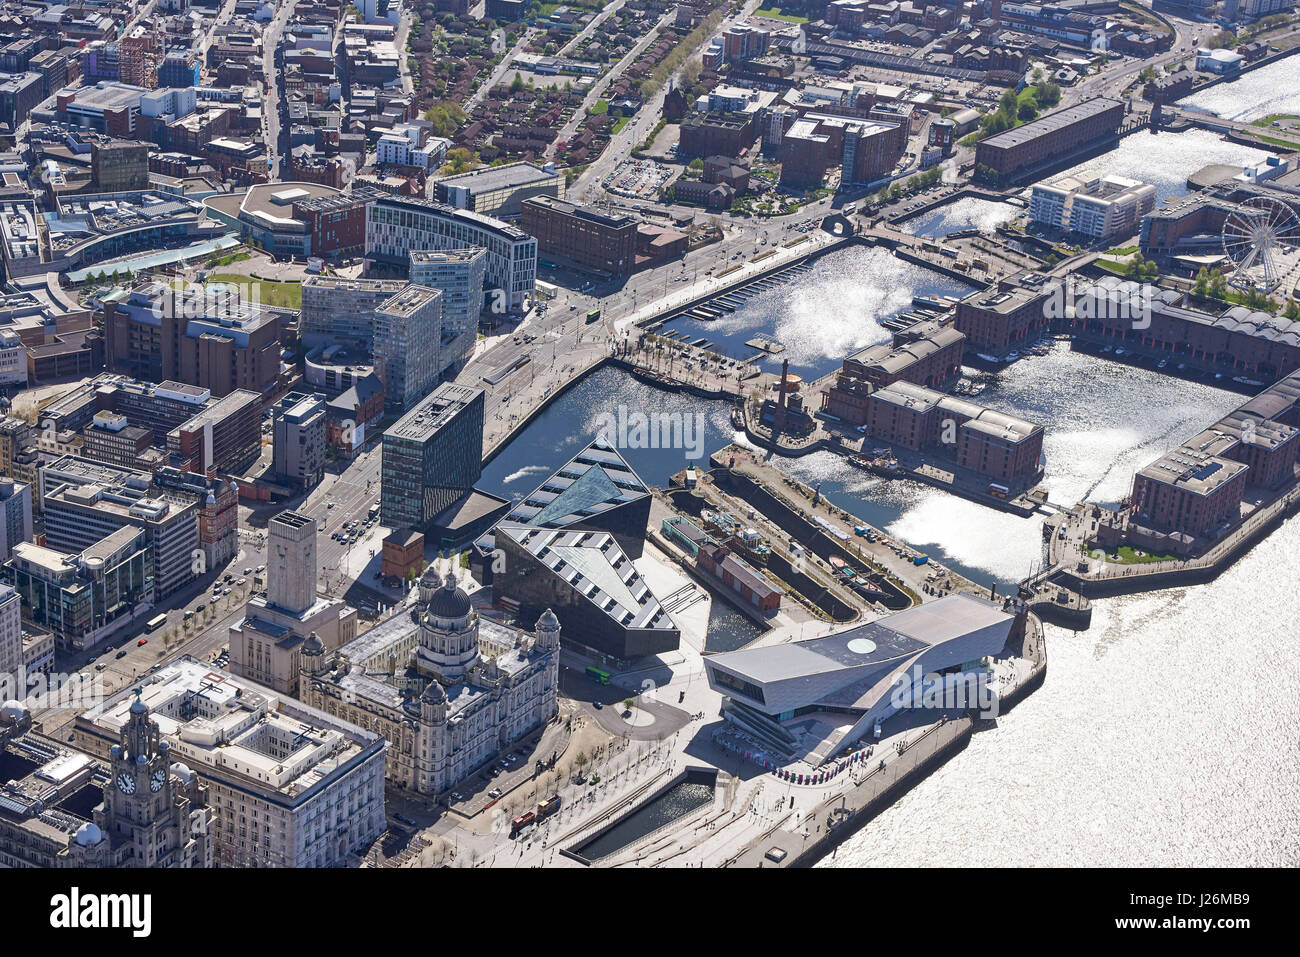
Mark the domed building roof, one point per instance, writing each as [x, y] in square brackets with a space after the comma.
[89, 834]
[13, 711]
[449, 601]
[433, 693]
[548, 621]
[313, 645]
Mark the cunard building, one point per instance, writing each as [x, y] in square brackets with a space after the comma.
[447, 689]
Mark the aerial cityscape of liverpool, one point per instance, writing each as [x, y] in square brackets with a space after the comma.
[715, 434]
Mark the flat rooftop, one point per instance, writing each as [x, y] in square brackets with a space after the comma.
[1051, 123]
[217, 723]
[410, 301]
[563, 206]
[434, 411]
[1193, 471]
[507, 176]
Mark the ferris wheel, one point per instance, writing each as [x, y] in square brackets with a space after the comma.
[1256, 234]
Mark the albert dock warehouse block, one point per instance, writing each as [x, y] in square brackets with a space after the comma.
[1014, 154]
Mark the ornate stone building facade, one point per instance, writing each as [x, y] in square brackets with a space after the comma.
[154, 812]
[422, 680]
[151, 812]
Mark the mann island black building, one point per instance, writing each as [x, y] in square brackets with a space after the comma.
[570, 545]
[432, 456]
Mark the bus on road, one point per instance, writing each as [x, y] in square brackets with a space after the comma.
[156, 622]
[593, 315]
[597, 675]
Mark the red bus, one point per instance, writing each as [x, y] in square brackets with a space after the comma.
[522, 821]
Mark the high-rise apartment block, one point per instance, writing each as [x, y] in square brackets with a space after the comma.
[408, 345]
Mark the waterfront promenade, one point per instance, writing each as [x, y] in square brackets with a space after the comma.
[1093, 572]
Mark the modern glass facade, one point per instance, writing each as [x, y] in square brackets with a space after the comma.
[431, 456]
[395, 227]
[76, 596]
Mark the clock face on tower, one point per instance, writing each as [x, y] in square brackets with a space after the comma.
[159, 778]
[126, 783]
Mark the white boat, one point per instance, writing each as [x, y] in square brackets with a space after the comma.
[1162, 363]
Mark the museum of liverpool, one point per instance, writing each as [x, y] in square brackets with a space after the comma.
[809, 700]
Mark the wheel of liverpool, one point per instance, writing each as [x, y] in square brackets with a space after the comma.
[1257, 234]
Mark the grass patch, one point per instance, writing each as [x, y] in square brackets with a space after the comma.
[1273, 117]
[621, 122]
[284, 295]
[1110, 265]
[1128, 555]
[600, 108]
[1285, 144]
[776, 13]
[1122, 251]
[228, 259]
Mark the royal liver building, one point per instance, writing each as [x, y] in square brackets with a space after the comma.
[447, 689]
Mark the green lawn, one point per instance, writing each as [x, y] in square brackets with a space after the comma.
[1272, 117]
[1128, 555]
[1274, 141]
[621, 122]
[228, 259]
[286, 295]
[774, 13]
